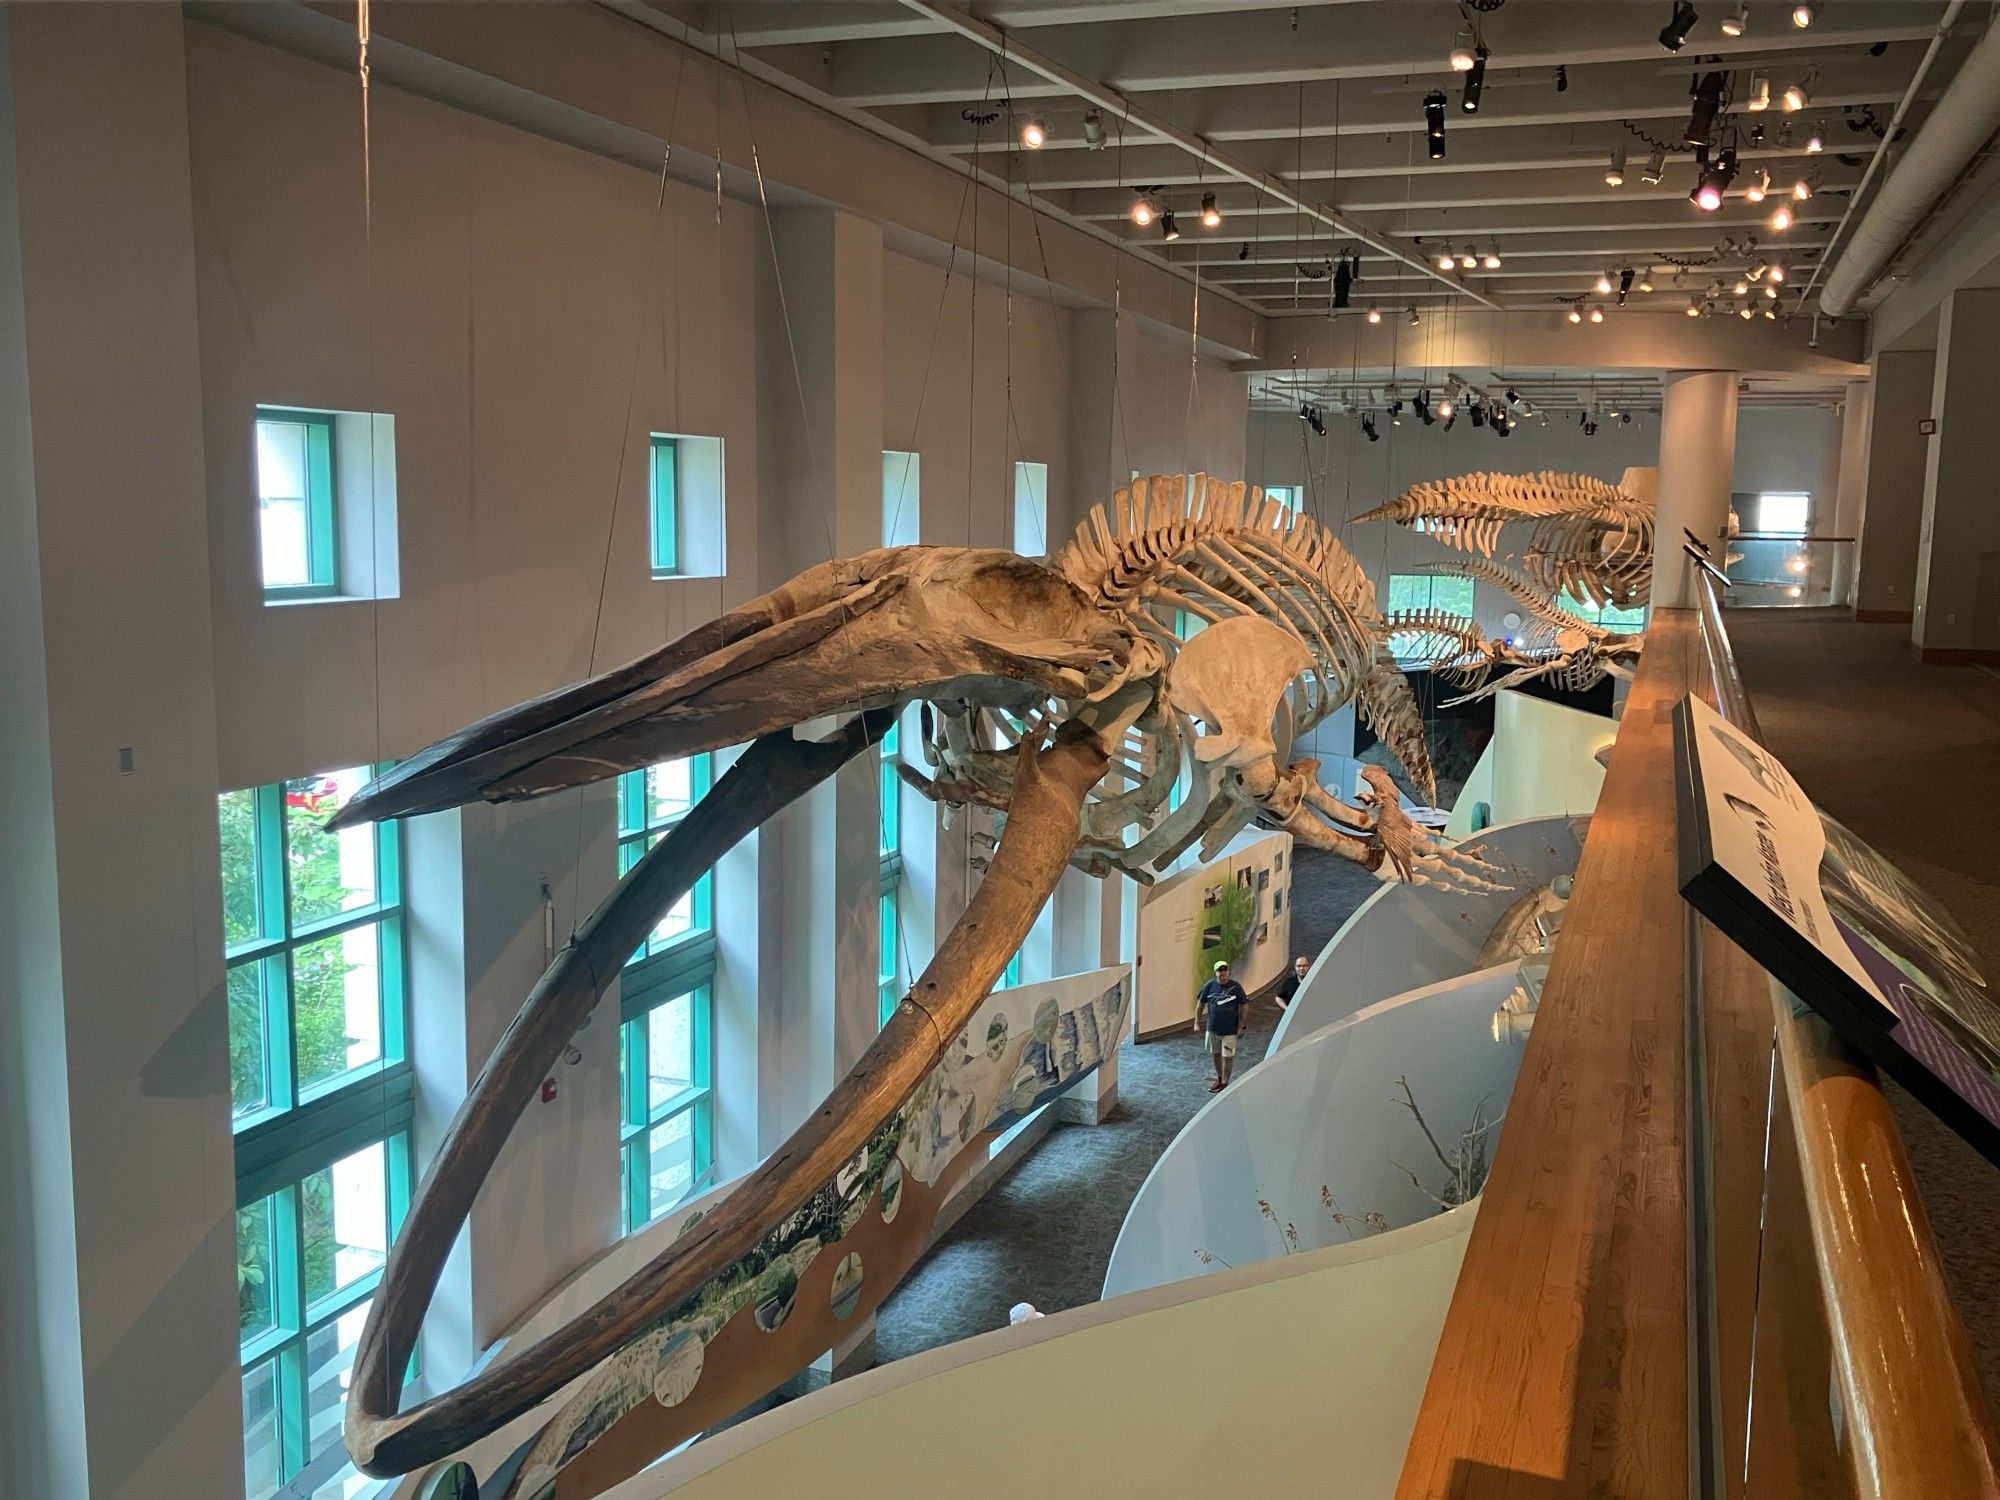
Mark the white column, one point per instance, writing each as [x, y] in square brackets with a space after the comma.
[1893, 490]
[823, 499]
[1856, 416]
[1957, 608]
[1697, 466]
[118, 1371]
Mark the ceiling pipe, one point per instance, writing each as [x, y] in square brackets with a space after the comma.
[1960, 123]
[997, 41]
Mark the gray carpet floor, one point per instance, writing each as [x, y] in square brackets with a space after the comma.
[1908, 756]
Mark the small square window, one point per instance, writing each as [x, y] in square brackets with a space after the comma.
[1031, 509]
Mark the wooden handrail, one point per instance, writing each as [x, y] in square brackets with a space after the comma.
[1916, 1421]
[1563, 1368]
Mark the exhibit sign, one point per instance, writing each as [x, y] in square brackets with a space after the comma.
[1834, 922]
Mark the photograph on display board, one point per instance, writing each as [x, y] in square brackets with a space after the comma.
[1844, 930]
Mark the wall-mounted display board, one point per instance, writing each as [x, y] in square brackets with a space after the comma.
[1236, 908]
[1838, 925]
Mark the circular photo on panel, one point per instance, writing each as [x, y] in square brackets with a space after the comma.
[892, 1190]
[847, 1285]
[1048, 1015]
[678, 1368]
[777, 1290]
[996, 1037]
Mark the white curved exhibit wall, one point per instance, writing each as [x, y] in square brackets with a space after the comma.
[1407, 936]
[1320, 1130]
[1294, 1377]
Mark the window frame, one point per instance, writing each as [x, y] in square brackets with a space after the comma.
[663, 506]
[889, 878]
[659, 973]
[301, 1131]
[322, 499]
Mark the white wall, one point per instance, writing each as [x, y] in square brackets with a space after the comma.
[1790, 448]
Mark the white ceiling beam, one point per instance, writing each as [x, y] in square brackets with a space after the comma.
[1600, 95]
[997, 42]
[1260, 48]
[761, 24]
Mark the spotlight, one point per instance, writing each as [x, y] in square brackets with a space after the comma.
[1344, 277]
[1770, 314]
[1434, 122]
[1816, 142]
[1603, 284]
[1491, 259]
[1674, 35]
[1771, 292]
[1740, 288]
[1445, 259]
[1314, 418]
[1575, 316]
[1421, 406]
[1757, 270]
[1805, 13]
[1211, 216]
[1144, 210]
[1461, 56]
[1395, 414]
[1646, 279]
[1758, 185]
[1714, 182]
[1562, 79]
[1777, 270]
[1760, 90]
[1413, 320]
[1614, 175]
[1468, 257]
[1798, 95]
[1746, 312]
[1093, 130]
[1737, 21]
[1624, 284]
[1374, 314]
[1368, 426]
[1597, 315]
[1781, 218]
[1656, 167]
[1475, 83]
[1169, 231]
[1694, 307]
[1797, 563]
[1035, 132]
[1707, 94]
[1803, 188]
[1478, 414]
[1447, 408]
[1795, 592]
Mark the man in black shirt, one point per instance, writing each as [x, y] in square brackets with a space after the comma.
[1220, 1005]
[1289, 985]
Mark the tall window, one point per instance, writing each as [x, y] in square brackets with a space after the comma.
[296, 518]
[1782, 513]
[1409, 591]
[1287, 495]
[666, 1051]
[902, 475]
[313, 944]
[663, 489]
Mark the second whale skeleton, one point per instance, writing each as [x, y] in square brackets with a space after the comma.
[1037, 678]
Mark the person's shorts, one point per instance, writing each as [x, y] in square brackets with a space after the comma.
[1222, 1046]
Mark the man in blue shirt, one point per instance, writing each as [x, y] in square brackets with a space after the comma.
[1219, 1009]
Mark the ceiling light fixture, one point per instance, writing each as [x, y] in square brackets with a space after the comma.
[1805, 13]
[1413, 319]
[1741, 287]
[1468, 258]
[1374, 314]
[1714, 182]
[1759, 98]
[1798, 95]
[1144, 210]
[1737, 21]
[1446, 408]
[1434, 122]
[1777, 270]
[1491, 259]
[1815, 141]
[1169, 231]
[1368, 426]
[1707, 92]
[1694, 307]
[1093, 130]
[1803, 188]
[1646, 279]
[1674, 35]
[1597, 315]
[1575, 316]
[1475, 84]
[1614, 174]
[1758, 186]
[1781, 217]
[1445, 259]
[1656, 167]
[1602, 286]
[1035, 132]
[1211, 216]
[1461, 57]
